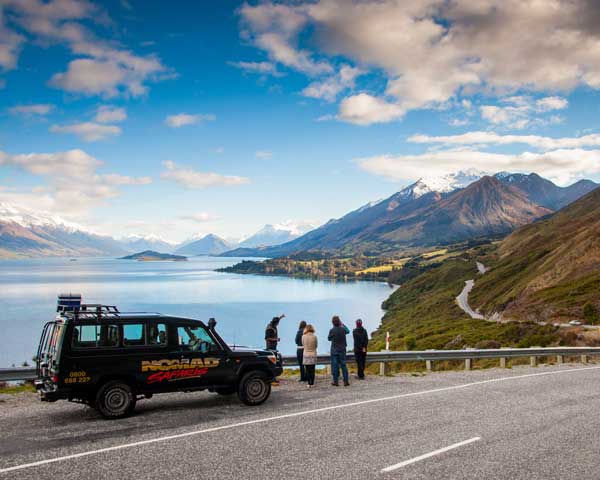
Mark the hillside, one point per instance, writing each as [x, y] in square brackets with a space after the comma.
[152, 256]
[548, 270]
[422, 314]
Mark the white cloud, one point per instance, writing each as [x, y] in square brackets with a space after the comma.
[110, 114]
[263, 154]
[432, 51]
[272, 27]
[182, 119]
[551, 103]
[492, 138]
[10, 45]
[101, 68]
[194, 179]
[522, 111]
[329, 88]
[201, 217]
[32, 109]
[562, 165]
[74, 185]
[88, 131]
[262, 68]
[364, 109]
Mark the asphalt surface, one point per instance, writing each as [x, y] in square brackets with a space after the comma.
[520, 423]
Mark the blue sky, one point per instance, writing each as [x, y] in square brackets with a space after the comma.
[134, 117]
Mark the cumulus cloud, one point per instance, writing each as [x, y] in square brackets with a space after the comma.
[561, 165]
[32, 109]
[364, 109]
[492, 138]
[551, 103]
[261, 68]
[88, 131]
[110, 114]
[329, 88]
[182, 119]
[74, 185]
[432, 51]
[190, 178]
[273, 28]
[101, 68]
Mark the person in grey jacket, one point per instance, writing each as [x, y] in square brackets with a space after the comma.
[337, 337]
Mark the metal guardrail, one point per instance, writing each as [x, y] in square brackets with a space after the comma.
[383, 358]
[22, 373]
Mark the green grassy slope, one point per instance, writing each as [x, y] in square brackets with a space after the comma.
[549, 270]
[422, 314]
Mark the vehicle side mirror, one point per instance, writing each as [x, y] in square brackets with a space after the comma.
[212, 323]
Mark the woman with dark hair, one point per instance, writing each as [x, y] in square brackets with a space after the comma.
[310, 343]
[300, 350]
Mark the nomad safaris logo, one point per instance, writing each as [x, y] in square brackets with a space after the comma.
[171, 370]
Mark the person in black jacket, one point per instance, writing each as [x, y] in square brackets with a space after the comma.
[361, 341]
[271, 333]
[300, 350]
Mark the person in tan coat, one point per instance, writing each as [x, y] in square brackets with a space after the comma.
[309, 357]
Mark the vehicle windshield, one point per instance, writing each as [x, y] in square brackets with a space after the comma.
[49, 347]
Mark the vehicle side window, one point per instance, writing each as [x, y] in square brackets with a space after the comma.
[133, 334]
[195, 339]
[92, 336]
[157, 334]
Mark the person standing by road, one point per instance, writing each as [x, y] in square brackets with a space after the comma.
[309, 355]
[300, 350]
[271, 333]
[337, 337]
[361, 341]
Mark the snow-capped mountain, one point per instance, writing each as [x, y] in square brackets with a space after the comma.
[138, 243]
[27, 233]
[206, 245]
[442, 184]
[276, 234]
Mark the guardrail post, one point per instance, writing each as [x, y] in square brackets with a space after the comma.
[468, 363]
[533, 361]
[584, 359]
[383, 370]
[502, 362]
[428, 365]
[559, 359]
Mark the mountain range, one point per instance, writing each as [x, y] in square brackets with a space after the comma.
[24, 233]
[449, 209]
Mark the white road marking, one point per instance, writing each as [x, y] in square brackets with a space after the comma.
[429, 455]
[281, 417]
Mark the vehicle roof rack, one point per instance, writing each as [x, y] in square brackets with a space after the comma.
[92, 311]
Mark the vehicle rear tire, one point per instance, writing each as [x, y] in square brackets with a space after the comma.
[115, 399]
[254, 388]
[225, 391]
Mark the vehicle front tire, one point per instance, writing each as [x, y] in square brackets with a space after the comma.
[115, 399]
[254, 388]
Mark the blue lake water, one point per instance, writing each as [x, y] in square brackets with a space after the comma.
[242, 304]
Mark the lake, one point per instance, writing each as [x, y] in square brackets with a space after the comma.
[242, 304]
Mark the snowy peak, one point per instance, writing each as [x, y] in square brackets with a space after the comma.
[275, 234]
[442, 184]
[21, 216]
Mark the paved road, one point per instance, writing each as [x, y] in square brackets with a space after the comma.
[523, 423]
[463, 301]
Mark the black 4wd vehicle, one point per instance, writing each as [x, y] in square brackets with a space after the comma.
[96, 355]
